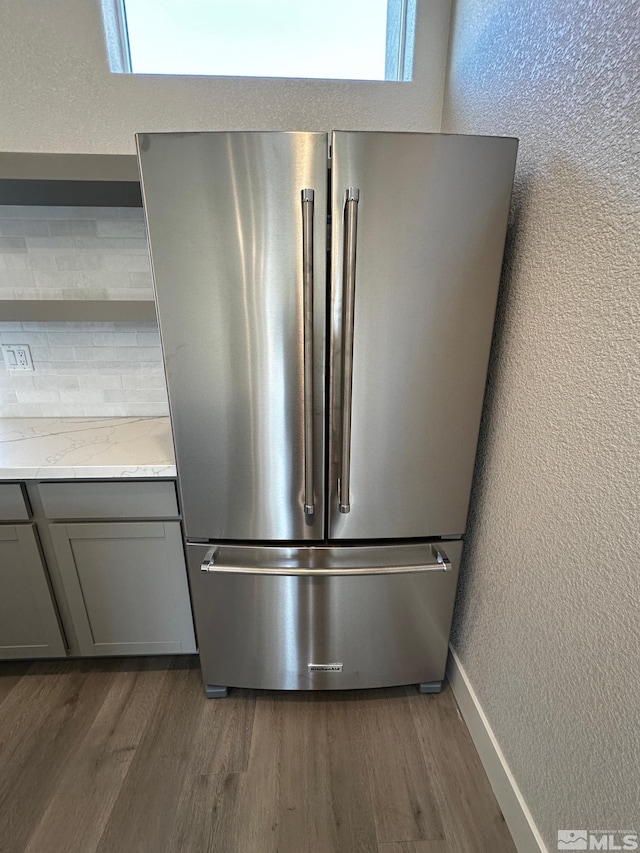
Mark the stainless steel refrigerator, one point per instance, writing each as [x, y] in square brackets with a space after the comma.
[326, 305]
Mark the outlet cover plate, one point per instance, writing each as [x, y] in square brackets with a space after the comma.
[17, 357]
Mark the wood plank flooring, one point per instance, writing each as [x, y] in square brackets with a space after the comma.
[127, 756]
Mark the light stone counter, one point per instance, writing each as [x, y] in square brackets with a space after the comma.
[85, 448]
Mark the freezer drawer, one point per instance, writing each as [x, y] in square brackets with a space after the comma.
[323, 618]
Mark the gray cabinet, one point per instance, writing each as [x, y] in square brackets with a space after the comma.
[92, 568]
[28, 621]
[126, 586]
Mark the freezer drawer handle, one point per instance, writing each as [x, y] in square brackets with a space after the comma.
[307, 275]
[214, 562]
[352, 197]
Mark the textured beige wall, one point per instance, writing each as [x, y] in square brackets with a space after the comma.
[547, 622]
[58, 95]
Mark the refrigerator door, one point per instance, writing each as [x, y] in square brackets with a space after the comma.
[237, 229]
[418, 230]
[322, 618]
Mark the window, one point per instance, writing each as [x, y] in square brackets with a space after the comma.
[328, 39]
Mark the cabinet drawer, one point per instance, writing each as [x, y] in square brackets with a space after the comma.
[12, 503]
[112, 499]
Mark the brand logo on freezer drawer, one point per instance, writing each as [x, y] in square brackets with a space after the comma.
[324, 667]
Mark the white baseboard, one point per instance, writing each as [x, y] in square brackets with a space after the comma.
[516, 814]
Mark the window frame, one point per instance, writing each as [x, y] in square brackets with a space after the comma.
[399, 45]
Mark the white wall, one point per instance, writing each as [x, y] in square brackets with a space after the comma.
[58, 95]
[547, 623]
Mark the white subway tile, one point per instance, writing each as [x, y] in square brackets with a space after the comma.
[121, 228]
[95, 293]
[33, 339]
[70, 339]
[6, 294]
[64, 410]
[75, 368]
[41, 354]
[16, 381]
[140, 279]
[24, 228]
[96, 353]
[136, 245]
[98, 327]
[144, 380]
[115, 339]
[46, 244]
[52, 354]
[37, 293]
[120, 396]
[22, 410]
[147, 410]
[11, 325]
[101, 381]
[100, 244]
[33, 211]
[126, 263]
[108, 410]
[104, 279]
[16, 262]
[156, 395]
[131, 294]
[52, 396]
[131, 213]
[126, 282]
[148, 339]
[10, 211]
[41, 261]
[58, 278]
[73, 228]
[16, 278]
[10, 245]
[30, 326]
[81, 395]
[47, 383]
[152, 354]
[8, 395]
[79, 261]
[92, 212]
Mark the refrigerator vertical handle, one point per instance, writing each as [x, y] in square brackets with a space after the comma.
[352, 198]
[307, 276]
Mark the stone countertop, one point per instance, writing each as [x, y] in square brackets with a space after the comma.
[85, 448]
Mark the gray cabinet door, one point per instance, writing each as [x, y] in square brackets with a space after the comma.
[242, 317]
[126, 585]
[431, 221]
[28, 621]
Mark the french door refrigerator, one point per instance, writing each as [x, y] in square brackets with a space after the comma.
[326, 306]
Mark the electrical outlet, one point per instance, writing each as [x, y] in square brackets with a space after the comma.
[17, 356]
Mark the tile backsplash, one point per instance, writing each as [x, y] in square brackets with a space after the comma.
[80, 369]
[73, 253]
[84, 369]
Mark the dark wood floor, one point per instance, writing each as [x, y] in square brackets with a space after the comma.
[126, 756]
